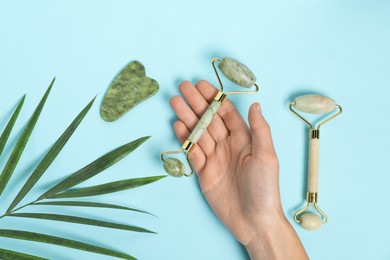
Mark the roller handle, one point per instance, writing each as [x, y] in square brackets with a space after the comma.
[204, 121]
[314, 150]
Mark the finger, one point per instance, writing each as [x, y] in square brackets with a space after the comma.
[196, 155]
[188, 117]
[228, 112]
[260, 132]
[198, 103]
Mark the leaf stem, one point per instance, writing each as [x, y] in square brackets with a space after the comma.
[21, 207]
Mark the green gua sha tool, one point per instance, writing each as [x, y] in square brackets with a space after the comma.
[130, 87]
[236, 72]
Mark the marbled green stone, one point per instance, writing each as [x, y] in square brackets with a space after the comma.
[204, 122]
[237, 72]
[130, 87]
[174, 167]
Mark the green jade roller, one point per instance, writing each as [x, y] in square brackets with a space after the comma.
[313, 104]
[236, 72]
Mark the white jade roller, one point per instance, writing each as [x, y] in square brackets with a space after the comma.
[237, 73]
[313, 104]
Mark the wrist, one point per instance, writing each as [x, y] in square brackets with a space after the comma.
[275, 239]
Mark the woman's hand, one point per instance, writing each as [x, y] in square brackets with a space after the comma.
[238, 172]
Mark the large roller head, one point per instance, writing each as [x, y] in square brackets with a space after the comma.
[314, 104]
[237, 72]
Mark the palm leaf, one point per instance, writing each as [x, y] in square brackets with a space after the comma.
[10, 125]
[95, 167]
[37, 237]
[62, 188]
[107, 188]
[21, 144]
[50, 156]
[79, 220]
[8, 254]
[89, 204]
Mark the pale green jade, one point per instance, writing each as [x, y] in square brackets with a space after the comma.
[204, 121]
[311, 221]
[237, 72]
[130, 87]
[174, 167]
[314, 104]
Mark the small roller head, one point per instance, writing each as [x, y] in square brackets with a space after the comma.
[311, 221]
[314, 104]
[237, 72]
[174, 167]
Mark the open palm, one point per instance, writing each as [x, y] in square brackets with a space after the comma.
[236, 165]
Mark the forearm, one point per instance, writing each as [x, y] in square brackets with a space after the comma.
[276, 241]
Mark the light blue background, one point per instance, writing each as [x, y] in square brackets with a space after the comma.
[337, 48]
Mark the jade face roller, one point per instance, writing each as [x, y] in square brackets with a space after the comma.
[237, 73]
[313, 104]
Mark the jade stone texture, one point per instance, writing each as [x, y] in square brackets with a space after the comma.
[174, 167]
[314, 104]
[237, 72]
[204, 122]
[311, 221]
[130, 87]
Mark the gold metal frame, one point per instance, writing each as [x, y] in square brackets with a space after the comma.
[320, 124]
[311, 198]
[186, 148]
[231, 92]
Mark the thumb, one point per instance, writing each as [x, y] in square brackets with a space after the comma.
[260, 132]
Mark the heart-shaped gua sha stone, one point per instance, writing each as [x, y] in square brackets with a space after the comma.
[130, 87]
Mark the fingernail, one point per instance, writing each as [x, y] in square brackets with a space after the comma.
[258, 107]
